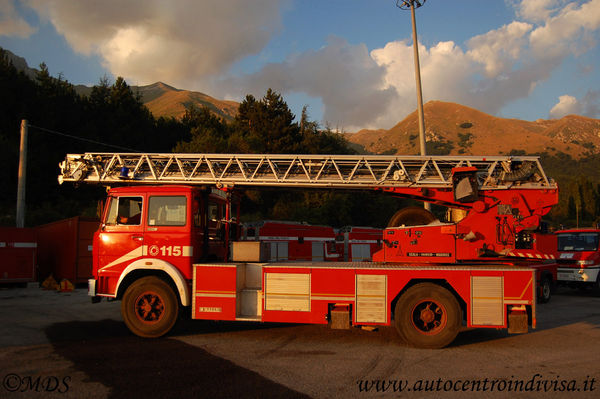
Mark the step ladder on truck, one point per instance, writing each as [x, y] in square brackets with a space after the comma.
[168, 224]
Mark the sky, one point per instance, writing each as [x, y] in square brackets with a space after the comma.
[350, 61]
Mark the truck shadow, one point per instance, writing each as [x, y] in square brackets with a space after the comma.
[188, 326]
[159, 368]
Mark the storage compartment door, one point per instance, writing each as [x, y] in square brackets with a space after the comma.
[487, 300]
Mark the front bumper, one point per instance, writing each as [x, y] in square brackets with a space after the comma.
[583, 275]
[92, 291]
[91, 287]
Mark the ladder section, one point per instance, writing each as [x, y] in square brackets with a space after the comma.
[316, 171]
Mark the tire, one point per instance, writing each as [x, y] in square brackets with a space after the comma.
[427, 316]
[545, 290]
[150, 307]
[411, 216]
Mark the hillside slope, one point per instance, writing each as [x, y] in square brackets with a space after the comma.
[456, 129]
[164, 100]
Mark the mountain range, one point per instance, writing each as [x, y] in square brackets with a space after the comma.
[451, 129]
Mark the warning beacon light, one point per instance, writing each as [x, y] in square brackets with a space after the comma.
[124, 173]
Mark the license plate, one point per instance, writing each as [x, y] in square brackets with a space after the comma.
[568, 276]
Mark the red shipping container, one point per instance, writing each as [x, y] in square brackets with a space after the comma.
[17, 255]
[65, 249]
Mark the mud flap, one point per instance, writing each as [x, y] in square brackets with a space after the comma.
[340, 317]
[517, 322]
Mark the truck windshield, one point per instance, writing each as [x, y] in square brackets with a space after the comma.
[578, 242]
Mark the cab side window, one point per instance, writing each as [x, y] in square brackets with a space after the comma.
[167, 210]
[213, 212]
[124, 211]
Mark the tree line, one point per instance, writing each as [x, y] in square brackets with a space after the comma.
[113, 118]
[579, 189]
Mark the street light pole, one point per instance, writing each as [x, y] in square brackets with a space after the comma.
[413, 5]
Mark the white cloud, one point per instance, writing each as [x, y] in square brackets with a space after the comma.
[498, 49]
[11, 23]
[536, 10]
[350, 84]
[184, 43]
[566, 105]
[445, 73]
[561, 35]
[588, 106]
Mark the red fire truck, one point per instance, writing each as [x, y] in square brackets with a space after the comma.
[430, 280]
[578, 258]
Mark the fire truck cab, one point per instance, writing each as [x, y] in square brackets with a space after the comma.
[166, 228]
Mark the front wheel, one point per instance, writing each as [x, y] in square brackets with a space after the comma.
[427, 316]
[545, 290]
[149, 307]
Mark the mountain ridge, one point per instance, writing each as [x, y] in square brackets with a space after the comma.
[160, 98]
[168, 101]
[454, 129]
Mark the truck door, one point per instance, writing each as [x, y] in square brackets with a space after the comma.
[168, 230]
[318, 251]
[121, 237]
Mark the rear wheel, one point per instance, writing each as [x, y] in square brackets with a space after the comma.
[411, 216]
[149, 307]
[427, 316]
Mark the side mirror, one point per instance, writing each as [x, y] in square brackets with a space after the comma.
[464, 185]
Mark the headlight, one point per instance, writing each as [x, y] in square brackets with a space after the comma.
[585, 262]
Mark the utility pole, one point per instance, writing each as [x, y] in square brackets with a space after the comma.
[22, 175]
[413, 5]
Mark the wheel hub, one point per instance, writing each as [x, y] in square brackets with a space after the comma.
[149, 307]
[429, 317]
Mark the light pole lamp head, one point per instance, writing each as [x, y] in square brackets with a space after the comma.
[408, 4]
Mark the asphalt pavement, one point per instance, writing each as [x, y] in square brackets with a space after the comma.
[61, 345]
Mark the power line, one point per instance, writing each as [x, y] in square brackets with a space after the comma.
[82, 139]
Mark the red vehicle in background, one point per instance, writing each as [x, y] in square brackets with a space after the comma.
[358, 244]
[294, 240]
[578, 257]
[302, 241]
[18, 254]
